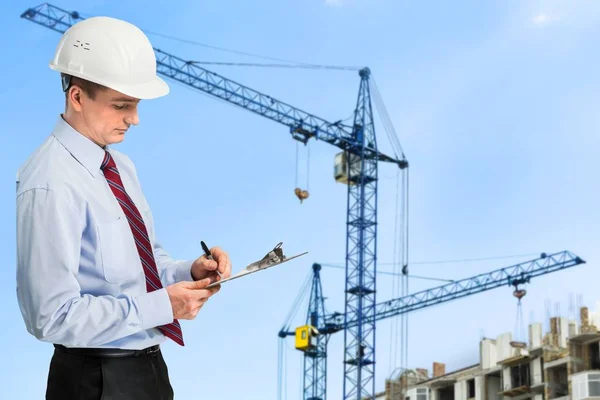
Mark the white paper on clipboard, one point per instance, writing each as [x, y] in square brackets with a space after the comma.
[273, 258]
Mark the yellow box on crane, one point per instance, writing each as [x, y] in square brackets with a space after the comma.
[306, 337]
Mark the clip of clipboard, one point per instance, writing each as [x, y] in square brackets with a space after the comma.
[271, 259]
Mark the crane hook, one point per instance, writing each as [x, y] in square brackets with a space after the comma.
[301, 194]
[519, 293]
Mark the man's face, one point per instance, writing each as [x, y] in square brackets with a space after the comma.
[107, 117]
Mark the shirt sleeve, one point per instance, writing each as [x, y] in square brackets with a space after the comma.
[171, 270]
[49, 229]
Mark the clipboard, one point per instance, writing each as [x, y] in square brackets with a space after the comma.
[271, 259]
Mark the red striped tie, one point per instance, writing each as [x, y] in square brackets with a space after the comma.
[138, 229]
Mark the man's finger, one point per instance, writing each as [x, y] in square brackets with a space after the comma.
[214, 278]
[223, 266]
[228, 270]
[201, 284]
[212, 290]
[206, 293]
[222, 258]
[209, 265]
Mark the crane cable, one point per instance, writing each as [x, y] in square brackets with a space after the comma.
[400, 286]
[449, 261]
[264, 65]
[394, 324]
[302, 194]
[405, 238]
[428, 278]
[386, 120]
[402, 214]
[290, 63]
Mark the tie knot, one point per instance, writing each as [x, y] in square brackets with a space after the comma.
[107, 162]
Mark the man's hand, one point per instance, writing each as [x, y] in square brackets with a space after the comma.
[187, 298]
[205, 268]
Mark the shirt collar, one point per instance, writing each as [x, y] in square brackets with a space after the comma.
[84, 150]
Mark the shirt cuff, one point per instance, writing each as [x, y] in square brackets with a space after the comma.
[184, 271]
[155, 308]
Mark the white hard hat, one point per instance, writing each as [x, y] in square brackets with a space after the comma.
[112, 53]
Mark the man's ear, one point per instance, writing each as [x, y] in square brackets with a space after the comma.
[75, 95]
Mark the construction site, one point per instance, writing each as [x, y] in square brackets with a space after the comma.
[553, 359]
[559, 364]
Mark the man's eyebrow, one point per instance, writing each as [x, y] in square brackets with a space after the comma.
[125, 99]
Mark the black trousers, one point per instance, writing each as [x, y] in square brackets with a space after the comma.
[84, 377]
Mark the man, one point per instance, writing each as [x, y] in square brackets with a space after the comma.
[91, 277]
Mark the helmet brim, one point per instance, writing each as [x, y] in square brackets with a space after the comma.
[152, 89]
[148, 90]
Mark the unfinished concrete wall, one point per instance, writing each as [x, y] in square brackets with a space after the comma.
[479, 388]
[554, 332]
[422, 373]
[552, 338]
[595, 315]
[393, 390]
[584, 316]
[493, 387]
[573, 328]
[546, 386]
[487, 353]
[413, 377]
[588, 323]
[460, 390]
[506, 382]
[563, 331]
[537, 375]
[503, 349]
[535, 335]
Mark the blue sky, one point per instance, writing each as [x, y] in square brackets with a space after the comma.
[496, 107]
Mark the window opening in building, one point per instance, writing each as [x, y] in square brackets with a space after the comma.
[471, 389]
[519, 375]
[595, 355]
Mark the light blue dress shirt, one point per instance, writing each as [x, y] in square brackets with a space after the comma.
[80, 282]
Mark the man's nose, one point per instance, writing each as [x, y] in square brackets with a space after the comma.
[132, 119]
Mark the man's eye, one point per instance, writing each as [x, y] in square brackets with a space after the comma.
[119, 106]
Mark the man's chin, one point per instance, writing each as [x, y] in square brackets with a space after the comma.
[118, 137]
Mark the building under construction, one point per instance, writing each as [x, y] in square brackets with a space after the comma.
[563, 363]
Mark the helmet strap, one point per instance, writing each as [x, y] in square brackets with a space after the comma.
[66, 82]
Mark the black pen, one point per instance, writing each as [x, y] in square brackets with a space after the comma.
[209, 255]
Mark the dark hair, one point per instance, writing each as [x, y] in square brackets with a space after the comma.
[88, 87]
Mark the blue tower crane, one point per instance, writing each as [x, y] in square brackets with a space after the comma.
[313, 337]
[356, 165]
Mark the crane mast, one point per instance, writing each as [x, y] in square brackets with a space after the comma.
[361, 250]
[356, 166]
[315, 352]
